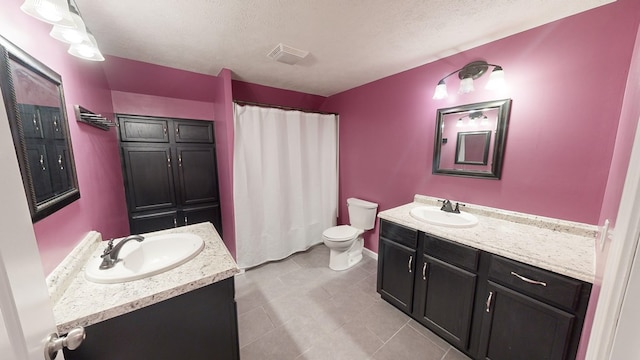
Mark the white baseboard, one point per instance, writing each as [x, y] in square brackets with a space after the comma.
[370, 253]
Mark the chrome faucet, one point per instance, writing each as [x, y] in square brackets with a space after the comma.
[110, 254]
[448, 207]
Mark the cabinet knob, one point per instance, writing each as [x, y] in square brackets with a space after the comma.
[168, 161]
[60, 162]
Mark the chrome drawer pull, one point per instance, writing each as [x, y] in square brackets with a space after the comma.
[424, 270]
[534, 282]
[410, 261]
[489, 300]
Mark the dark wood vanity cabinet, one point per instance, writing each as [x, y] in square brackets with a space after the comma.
[396, 265]
[485, 305]
[197, 325]
[170, 172]
[445, 289]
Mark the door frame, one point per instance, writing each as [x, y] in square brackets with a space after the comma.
[25, 308]
[621, 258]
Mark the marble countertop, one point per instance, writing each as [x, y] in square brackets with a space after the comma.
[564, 247]
[78, 302]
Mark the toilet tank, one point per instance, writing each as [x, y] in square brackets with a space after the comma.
[362, 213]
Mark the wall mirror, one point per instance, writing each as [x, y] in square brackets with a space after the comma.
[470, 139]
[35, 105]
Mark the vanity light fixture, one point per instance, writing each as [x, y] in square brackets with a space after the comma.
[69, 28]
[55, 12]
[467, 74]
[473, 117]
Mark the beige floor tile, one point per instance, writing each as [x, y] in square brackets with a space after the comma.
[409, 344]
[252, 325]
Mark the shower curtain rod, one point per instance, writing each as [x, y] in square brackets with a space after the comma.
[240, 102]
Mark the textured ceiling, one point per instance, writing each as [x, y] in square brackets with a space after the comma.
[351, 42]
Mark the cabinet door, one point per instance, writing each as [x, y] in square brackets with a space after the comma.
[149, 177]
[143, 130]
[200, 214]
[31, 121]
[40, 170]
[190, 131]
[140, 224]
[445, 295]
[517, 327]
[197, 174]
[396, 268]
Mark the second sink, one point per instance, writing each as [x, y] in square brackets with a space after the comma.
[433, 215]
[139, 260]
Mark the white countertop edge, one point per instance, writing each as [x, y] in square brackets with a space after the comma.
[79, 304]
[566, 263]
[59, 279]
[142, 302]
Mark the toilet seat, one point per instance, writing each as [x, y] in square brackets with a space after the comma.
[341, 233]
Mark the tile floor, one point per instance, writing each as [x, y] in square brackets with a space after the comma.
[298, 308]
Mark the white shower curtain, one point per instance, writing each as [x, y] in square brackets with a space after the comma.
[284, 181]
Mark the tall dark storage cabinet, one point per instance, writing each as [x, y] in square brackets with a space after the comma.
[170, 173]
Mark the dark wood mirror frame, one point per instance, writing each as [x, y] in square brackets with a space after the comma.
[53, 146]
[446, 116]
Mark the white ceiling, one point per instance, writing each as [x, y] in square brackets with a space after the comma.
[351, 42]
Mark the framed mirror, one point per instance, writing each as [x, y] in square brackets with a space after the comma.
[34, 100]
[470, 139]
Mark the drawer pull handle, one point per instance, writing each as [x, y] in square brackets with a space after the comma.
[534, 282]
[489, 300]
[410, 261]
[175, 222]
[424, 271]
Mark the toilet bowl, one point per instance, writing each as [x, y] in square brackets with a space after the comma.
[345, 242]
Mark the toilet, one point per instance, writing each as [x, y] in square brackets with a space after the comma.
[346, 241]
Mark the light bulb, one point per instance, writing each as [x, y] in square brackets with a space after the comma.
[496, 79]
[441, 91]
[459, 123]
[466, 85]
[48, 11]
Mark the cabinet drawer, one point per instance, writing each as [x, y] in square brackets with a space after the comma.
[452, 253]
[143, 129]
[398, 233]
[538, 283]
[188, 131]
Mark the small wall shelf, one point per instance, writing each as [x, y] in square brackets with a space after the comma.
[88, 117]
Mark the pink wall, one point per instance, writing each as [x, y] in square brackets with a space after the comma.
[150, 105]
[144, 78]
[566, 80]
[224, 152]
[101, 206]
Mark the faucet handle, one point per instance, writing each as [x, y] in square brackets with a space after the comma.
[457, 208]
[108, 249]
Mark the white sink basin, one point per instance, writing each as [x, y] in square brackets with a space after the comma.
[152, 256]
[433, 215]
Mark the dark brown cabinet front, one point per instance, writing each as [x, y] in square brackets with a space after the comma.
[396, 274]
[487, 306]
[170, 172]
[149, 177]
[517, 327]
[445, 295]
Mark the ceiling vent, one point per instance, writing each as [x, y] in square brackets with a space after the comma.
[287, 54]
